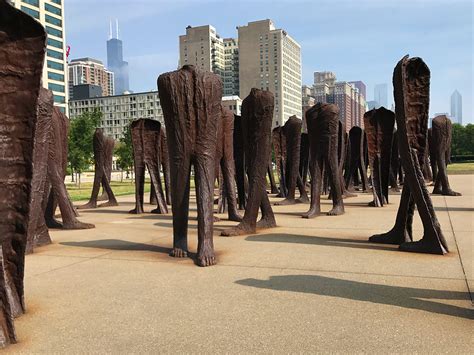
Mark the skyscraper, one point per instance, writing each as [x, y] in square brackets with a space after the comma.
[50, 14]
[116, 63]
[90, 71]
[269, 59]
[456, 107]
[380, 95]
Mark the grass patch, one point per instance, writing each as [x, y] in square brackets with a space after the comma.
[119, 189]
[461, 168]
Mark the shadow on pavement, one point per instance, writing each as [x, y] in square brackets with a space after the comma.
[314, 240]
[406, 297]
[116, 244]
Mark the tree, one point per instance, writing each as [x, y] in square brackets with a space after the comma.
[81, 133]
[462, 139]
[124, 151]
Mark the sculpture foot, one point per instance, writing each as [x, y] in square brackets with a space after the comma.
[53, 223]
[266, 223]
[303, 199]
[78, 225]
[235, 217]
[136, 211]
[205, 256]
[286, 202]
[348, 194]
[374, 204]
[158, 211]
[87, 206]
[216, 219]
[423, 246]
[336, 211]
[109, 204]
[241, 229]
[179, 253]
[451, 193]
[311, 214]
[436, 192]
[394, 236]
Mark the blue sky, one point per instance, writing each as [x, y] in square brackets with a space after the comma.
[356, 39]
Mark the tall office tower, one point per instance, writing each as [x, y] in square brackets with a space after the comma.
[50, 13]
[380, 95]
[456, 107]
[115, 62]
[345, 95]
[270, 59]
[90, 71]
[360, 85]
[203, 47]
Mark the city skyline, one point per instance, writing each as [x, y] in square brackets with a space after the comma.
[368, 53]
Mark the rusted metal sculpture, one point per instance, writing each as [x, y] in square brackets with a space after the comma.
[440, 153]
[357, 164]
[342, 151]
[165, 165]
[291, 132]
[394, 163]
[323, 121]
[146, 155]
[411, 81]
[257, 116]
[102, 147]
[108, 162]
[304, 158]
[225, 160]
[279, 149]
[22, 48]
[48, 188]
[379, 125]
[191, 102]
[239, 160]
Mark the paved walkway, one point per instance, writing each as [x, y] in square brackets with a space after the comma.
[306, 286]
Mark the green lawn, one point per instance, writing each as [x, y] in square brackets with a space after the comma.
[461, 168]
[119, 189]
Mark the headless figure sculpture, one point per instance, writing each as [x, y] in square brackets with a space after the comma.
[102, 146]
[411, 81]
[22, 51]
[357, 163]
[394, 163]
[279, 148]
[323, 122]
[108, 161]
[292, 133]
[378, 125]
[225, 159]
[239, 159]
[191, 102]
[146, 155]
[440, 149]
[304, 158]
[257, 116]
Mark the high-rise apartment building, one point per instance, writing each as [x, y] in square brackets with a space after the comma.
[203, 47]
[269, 59]
[50, 13]
[360, 85]
[345, 95]
[456, 107]
[116, 64]
[380, 95]
[90, 71]
[262, 57]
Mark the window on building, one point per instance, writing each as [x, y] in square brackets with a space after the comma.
[30, 12]
[54, 54]
[55, 43]
[54, 32]
[55, 76]
[52, 9]
[56, 1]
[31, 2]
[53, 20]
[59, 99]
[56, 87]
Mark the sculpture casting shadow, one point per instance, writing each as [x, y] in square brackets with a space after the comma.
[405, 297]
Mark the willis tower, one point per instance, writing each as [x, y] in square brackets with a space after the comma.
[116, 63]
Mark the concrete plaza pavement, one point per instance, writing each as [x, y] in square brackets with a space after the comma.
[306, 286]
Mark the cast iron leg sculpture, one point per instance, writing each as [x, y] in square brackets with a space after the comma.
[191, 102]
[304, 158]
[279, 147]
[101, 146]
[322, 122]
[379, 128]
[441, 143]
[108, 161]
[257, 115]
[411, 79]
[292, 132]
[432, 150]
[165, 165]
[239, 160]
[146, 154]
[22, 48]
[394, 163]
[357, 159]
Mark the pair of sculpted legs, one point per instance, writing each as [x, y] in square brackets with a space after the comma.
[257, 116]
